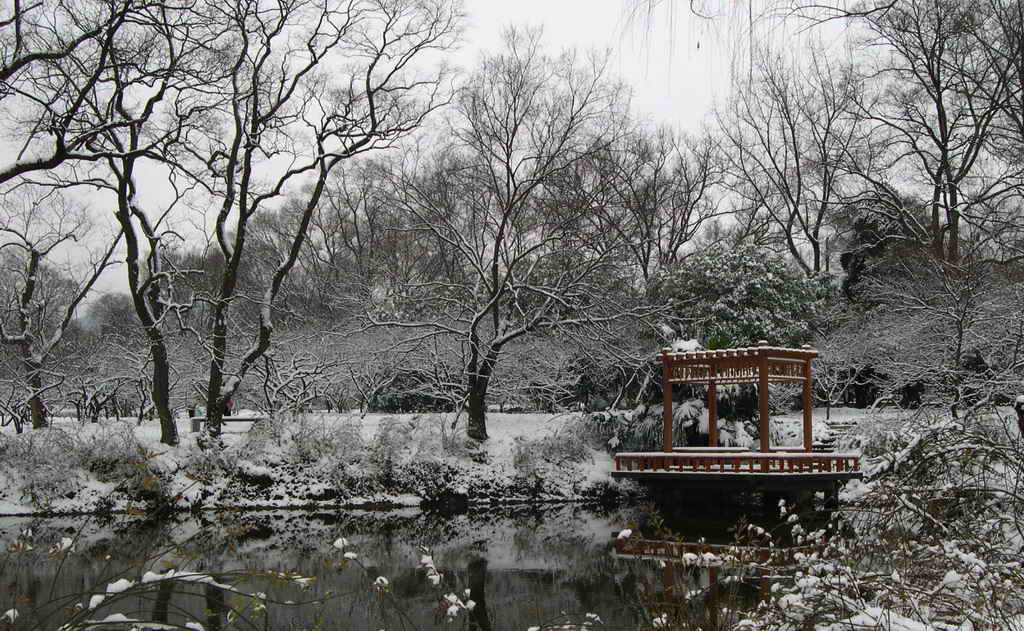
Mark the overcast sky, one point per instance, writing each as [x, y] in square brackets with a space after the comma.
[673, 79]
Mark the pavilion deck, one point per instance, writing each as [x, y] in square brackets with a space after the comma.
[744, 469]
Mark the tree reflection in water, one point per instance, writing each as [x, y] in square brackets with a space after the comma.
[478, 617]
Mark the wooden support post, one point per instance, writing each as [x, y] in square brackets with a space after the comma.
[712, 411]
[666, 390]
[808, 407]
[762, 397]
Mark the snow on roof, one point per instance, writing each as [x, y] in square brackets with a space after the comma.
[678, 348]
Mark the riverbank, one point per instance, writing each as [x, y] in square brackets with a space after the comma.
[314, 461]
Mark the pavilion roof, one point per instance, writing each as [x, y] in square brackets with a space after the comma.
[738, 365]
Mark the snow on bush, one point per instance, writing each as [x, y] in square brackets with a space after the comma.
[736, 296]
[930, 541]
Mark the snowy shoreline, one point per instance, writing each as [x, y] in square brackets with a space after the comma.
[313, 462]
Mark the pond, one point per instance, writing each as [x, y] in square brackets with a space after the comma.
[523, 567]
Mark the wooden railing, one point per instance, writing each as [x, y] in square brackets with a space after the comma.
[738, 462]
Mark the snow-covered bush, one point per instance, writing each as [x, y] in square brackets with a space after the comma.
[45, 466]
[38, 464]
[303, 438]
[931, 540]
[738, 296]
[557, 448]
[383, 450]
[112, 454]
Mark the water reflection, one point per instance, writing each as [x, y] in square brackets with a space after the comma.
[522, 568]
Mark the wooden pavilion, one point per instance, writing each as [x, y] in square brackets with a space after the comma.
[767, 467]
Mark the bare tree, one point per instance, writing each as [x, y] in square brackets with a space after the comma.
[56, 56]
[311, 84]
[788, 129]
[247, 105]
[153, 87]
[301, 370]
[1001, 38]
[931, 108]
[41, 298]
[954, 329]
[659, 193]
[506, 260]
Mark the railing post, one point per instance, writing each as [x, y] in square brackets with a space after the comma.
[808, 405]
[713, 408]
[666, 389]
[762, 395]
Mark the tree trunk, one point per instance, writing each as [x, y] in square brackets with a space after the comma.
[953, 220]
[936, 235]
[214, 409]
[35, 402]
[161, 392]
[477, 424]
[214, 400]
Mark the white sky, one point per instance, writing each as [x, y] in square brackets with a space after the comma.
[674, 81]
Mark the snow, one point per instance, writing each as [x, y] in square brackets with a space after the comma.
[854, 490]
[152, 577]
[877, 618]
[114, 617]
[119, 586]
[686, 346]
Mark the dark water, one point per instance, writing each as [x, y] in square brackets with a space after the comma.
[522, 567]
